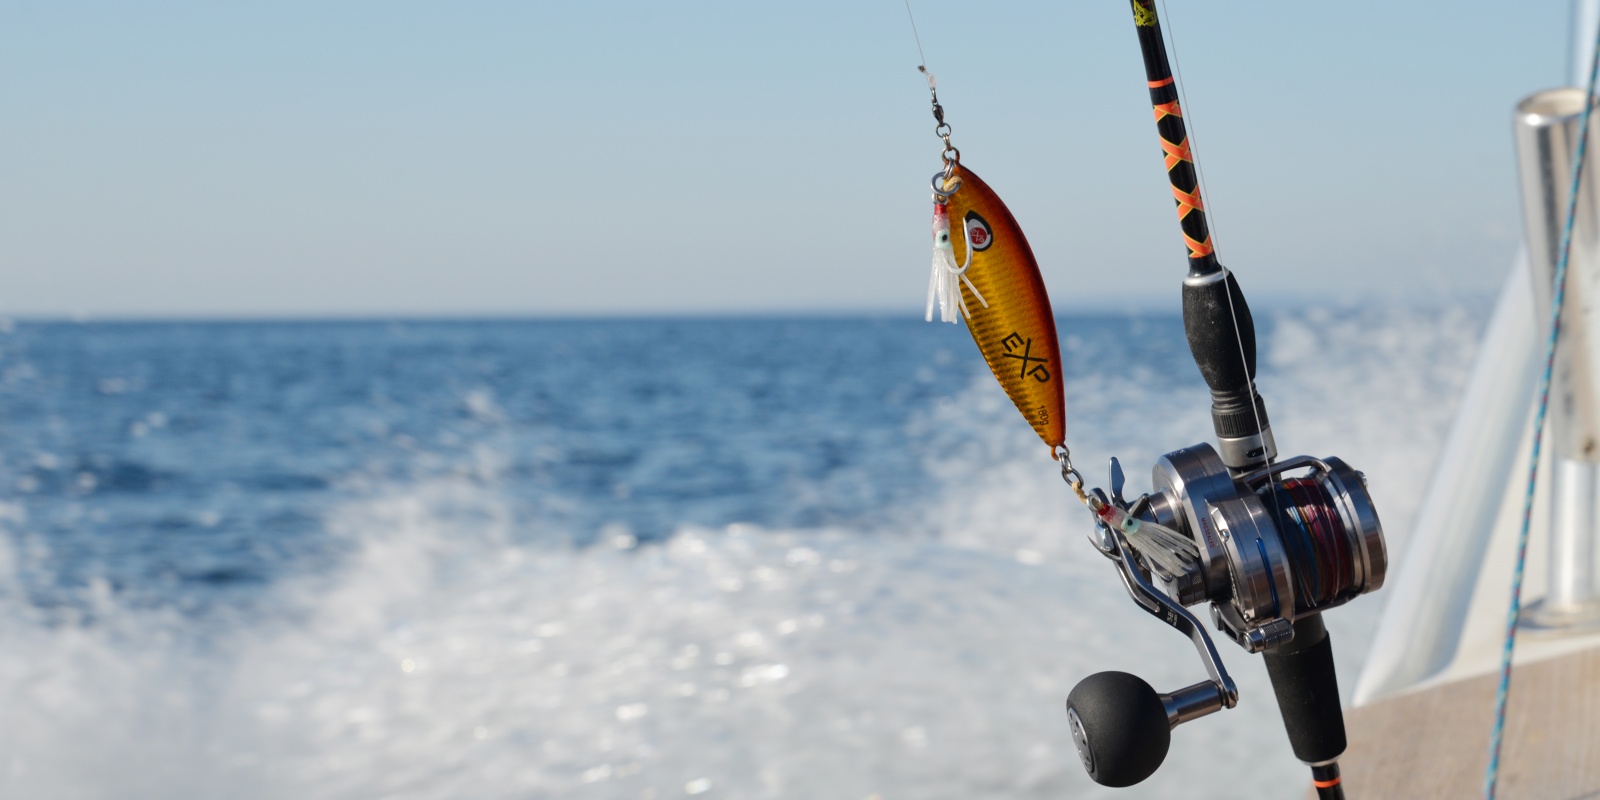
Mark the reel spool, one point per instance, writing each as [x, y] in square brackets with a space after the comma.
[1269, 550]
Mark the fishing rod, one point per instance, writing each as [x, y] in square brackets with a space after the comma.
[1268, 543]
[1216, 318]
[1271, 544]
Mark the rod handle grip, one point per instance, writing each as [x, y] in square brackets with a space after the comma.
[1307, 688]
[1222, 339]
[1226, 355]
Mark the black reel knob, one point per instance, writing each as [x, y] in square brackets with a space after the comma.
[1120, 727]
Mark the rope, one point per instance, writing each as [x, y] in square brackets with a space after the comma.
[1513, 616]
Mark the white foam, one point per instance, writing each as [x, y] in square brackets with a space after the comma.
[456, 655]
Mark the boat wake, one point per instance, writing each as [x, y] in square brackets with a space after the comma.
[458, 648]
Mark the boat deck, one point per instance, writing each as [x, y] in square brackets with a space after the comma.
[1435, 742]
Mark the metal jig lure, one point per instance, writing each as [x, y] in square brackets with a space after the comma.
[990, 277]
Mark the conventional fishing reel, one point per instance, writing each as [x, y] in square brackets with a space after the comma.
[1264, 548]
[1267, 548]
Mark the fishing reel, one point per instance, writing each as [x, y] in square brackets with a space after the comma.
[1269, 549]
[1264, 548]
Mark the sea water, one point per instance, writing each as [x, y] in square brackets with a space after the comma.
[763, 558]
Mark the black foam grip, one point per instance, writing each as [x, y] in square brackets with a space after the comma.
[1308, 692]
[1121, 728]
[1208, 321]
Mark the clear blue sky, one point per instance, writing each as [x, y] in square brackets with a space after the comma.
[312, 158]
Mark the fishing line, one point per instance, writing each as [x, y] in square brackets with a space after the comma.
[1205, 191]
[1188, 122]
[921, 59]
[1211, 218]
[1513, 615]
[1308, 523]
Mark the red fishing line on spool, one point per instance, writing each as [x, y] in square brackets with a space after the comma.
[1314, 538]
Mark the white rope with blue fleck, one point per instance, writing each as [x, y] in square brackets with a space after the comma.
[1492, 774]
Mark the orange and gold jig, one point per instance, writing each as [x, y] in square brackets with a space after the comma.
[1008, 314]
[989, 276]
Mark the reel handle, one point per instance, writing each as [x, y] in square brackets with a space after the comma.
[1123, 728]
[1120, 727]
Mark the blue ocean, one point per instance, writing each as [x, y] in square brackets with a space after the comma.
[726, 558]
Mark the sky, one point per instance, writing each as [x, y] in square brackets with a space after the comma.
[252, 159]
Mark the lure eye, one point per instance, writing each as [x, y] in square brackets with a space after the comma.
[942, 238]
